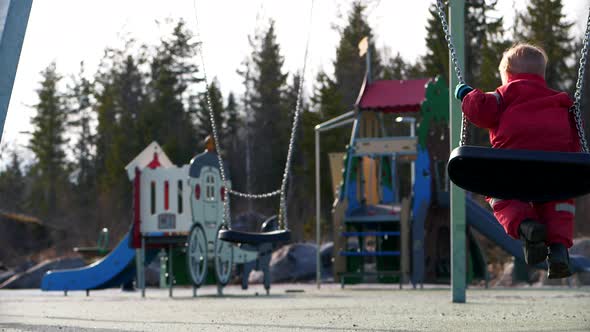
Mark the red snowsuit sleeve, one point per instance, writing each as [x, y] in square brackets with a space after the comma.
[482, 109]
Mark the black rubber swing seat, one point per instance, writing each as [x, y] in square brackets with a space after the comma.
[532, 176]
[229, 235]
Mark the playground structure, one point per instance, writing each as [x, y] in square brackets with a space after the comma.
[184, 204]
[378, 221]
[172, 206]
[371, 215]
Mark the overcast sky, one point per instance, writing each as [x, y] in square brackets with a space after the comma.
[70, 31]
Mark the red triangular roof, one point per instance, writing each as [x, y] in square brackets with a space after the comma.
[393, 96]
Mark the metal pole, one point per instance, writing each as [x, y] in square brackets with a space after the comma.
[328, 125]
[142, 266]
[137, 268]
[317, 207]
[458, 268]
[170, 273]
[14, 16]
[413, 163]
[368, 61]
[334, 120]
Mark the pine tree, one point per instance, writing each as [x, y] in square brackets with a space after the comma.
[123, 130]
[436, 60]
[172, 73]
[248, 130]
[233, 144]
[399, 69]
[268, 115]
[349, 68]
[48, 143]
[231, 119]
[202, 113]
[230, 128]
[13, 185]
[396, 68]
[543, 23]
[484, 44]
[80, 94]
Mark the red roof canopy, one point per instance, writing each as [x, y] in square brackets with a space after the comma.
[393, 96]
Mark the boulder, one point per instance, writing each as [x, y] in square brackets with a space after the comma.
[290, 263]
[152, 273]
[582, 247]
[505, 279]
[518, 275]
[5, 275]
[24, 266]
[326, 259]
[31, 278]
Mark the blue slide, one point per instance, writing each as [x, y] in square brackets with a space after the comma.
[486, 224]
[115, 269]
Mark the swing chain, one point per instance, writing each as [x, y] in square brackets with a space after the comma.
[226, 222]
[440, 8]
[282, 191]
[577, 106]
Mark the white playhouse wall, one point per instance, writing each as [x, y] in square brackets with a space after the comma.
[156, 216]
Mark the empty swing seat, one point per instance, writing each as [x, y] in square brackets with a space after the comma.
[534, 176]
[229, 235]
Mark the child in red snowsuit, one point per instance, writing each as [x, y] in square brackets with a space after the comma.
[524, 113]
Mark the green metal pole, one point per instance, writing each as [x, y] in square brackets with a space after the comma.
[458, 257]
[318, 206]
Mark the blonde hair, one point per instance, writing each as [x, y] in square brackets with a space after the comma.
[523, 58]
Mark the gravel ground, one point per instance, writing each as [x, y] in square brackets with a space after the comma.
[297, 307]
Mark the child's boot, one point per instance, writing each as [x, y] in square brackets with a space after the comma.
[533, 234]
[559, 262]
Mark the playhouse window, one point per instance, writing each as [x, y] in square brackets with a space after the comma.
[179, 197]
[153, 197]
[209, 188]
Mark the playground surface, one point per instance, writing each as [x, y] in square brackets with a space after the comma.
[298, 307]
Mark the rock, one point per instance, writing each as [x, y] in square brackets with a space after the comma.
[5, 275]
[152, 273]
[505, 279]
[24, 266]
[31, 278]
[582, 247]
[326, 258]
[290, 263]
[515, 275]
